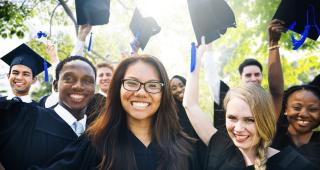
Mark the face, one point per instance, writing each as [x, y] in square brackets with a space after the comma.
[177, 88]
[240, 125]
[251, 73]
[20, 79]
[140, 105]
[75, 85]
[104, 78]
[303, 111]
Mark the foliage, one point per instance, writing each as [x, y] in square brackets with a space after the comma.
[11, 19]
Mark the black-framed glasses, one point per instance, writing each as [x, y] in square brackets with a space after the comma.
[135, 85]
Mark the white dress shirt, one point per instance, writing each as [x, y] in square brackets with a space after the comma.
[26, 99]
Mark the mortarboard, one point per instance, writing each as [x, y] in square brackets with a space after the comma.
[303, 13]
[93, 12]
[210, 18]
[24, 55]
[143, 28]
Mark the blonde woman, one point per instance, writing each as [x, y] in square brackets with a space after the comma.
[250, 127]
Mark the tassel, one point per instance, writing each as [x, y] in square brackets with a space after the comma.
[90, 42]
[46, 74]
[193, 56]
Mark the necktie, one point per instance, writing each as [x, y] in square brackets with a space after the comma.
[78, 128]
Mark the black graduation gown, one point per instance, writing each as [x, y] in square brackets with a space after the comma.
[310, 150]
[81, 155]
[30, 135]
[198, 155]
[5, 98]
[224, 155]
[219, 115]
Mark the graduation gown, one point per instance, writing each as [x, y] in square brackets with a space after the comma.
[224, 155]
[82, 155]
[30, 135]
[310, 150]
[219, 115]
[198, 155]
[5, 98]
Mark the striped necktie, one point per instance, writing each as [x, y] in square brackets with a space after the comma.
[78, 128]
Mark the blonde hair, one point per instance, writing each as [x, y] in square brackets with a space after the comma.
[262, 108]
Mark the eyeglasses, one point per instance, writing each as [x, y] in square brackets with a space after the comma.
[150, 87]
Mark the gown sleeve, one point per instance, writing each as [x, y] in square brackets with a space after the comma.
[80, 155]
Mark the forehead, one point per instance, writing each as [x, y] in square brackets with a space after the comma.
[238, 107]
[77, 66]
[21, 68]
[251, 69]
[175, 81]
[142, 71]
[303, 95]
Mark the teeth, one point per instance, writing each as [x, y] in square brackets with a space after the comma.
[19, 83]
[240, 138]
[140, 105]
[77, 97]
[303, 122]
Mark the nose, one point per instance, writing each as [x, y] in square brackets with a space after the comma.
[238, 127]
[77, 85]
[141, 91]
[303, 112]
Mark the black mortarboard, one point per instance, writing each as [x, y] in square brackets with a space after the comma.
[23, 55]
[143, 28]
[210, 18]
[93, 12]
[302, 12]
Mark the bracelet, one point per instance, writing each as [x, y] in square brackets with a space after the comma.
[274, 47]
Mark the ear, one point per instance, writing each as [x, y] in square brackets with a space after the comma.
[34, 79]
[55, 85]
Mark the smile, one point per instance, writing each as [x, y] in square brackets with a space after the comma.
[140, 105]
[241, 138]
[77, 97]
[303, 122]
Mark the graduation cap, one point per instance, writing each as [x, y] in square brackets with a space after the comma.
[210, 18]
[143, 28]
[24, 55]
[300, 16]
[93, 12]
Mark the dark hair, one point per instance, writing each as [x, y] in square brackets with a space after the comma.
[108, 133]
[314, 89]
[249, 62]
[315, 81]
[182, 79]
[72, 58]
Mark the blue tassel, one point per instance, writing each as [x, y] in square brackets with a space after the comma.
[90, 42]
[193, 56]
[46, 74]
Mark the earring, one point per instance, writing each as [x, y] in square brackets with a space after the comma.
[285, 113]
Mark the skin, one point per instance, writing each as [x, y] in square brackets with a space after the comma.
[251, 74]
[20, 79]
[177, 88]
[104, 78]
[303, 114]
[140, 105]
[75, 87]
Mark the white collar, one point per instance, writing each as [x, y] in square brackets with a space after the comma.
[103, 93]
[26, 98]
[68, 117]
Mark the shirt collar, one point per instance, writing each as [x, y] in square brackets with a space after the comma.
[26, 98]
[68, 117]
[103, 93]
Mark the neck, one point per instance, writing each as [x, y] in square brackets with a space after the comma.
[142, 130]
[78, 114]
[249, 156]
[20, 94]
[298, 138]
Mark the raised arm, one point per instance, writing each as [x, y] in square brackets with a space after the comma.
[199, 120]
[79, 46]
[275, 75]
